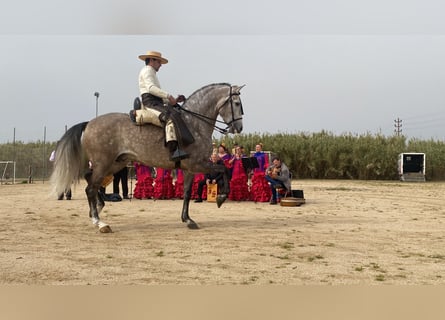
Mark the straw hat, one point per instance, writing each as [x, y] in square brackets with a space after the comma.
[153, 54]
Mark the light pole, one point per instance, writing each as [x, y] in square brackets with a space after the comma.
[96, 94]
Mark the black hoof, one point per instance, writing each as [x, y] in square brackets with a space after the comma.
[192, 225]
[220, 199]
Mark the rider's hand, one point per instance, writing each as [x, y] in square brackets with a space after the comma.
[171, 100]
[180, 98]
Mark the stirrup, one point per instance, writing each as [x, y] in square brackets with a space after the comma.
[179, 155]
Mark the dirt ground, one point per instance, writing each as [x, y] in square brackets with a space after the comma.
[348, 232]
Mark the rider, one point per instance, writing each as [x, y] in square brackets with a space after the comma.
[156, 102]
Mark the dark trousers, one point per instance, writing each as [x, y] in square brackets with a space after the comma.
[121, 176]
[273, 186]
[203, 182]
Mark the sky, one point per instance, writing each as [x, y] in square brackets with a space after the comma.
[343, 66]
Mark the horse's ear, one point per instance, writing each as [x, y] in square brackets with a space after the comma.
[238, 88]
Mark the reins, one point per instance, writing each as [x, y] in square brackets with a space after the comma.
[209, 120]
[205, 119]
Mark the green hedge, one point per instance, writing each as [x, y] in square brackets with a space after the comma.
[326, 156]
[321, 155]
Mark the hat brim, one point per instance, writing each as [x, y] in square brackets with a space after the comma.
[145, 56]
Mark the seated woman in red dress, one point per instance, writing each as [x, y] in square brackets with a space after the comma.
[260, 189]
[144, 184]
[239, 189]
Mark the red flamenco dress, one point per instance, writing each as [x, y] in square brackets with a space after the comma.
[144, 184]
[239, 189]
[260, 189]
[198, 177]
[179, 184]
[163, 188]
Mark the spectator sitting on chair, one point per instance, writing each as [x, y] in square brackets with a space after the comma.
[212, 177]
[278, 176]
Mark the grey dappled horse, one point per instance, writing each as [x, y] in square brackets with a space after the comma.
[105, 145]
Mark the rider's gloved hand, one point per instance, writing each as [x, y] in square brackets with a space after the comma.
[180, 98]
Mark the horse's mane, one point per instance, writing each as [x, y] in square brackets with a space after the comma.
[208, 87]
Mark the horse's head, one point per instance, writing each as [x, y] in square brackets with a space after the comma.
[231, 110]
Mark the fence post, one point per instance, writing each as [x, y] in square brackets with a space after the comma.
[29, 174]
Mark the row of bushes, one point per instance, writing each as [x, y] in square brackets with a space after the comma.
[320, 155]
[326, 156]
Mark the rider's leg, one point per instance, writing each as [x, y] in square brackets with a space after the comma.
[172, 143]
[148, 115]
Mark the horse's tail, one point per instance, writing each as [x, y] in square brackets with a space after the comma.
[70, 161]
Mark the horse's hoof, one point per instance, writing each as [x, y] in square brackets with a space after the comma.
[192, 225]
[104, 228]
[220, 199]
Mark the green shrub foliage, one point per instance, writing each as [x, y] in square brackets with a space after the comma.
[321, 155]
[324, 155]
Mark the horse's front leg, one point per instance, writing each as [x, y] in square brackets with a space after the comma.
[222, 196]
[188, 182]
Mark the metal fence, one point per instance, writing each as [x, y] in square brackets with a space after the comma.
[31, 161]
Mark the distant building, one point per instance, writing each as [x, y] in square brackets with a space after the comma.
[411, 166]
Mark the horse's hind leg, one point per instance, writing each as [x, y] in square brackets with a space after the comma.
[92, 192]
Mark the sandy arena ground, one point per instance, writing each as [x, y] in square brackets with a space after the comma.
[348, 232]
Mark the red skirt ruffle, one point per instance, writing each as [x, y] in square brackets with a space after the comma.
[179, 184]
[260, 190]
[239, 190]
[143, 188]
[198, 177]
[163, 184]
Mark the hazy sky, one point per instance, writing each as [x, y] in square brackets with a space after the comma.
[336, 65]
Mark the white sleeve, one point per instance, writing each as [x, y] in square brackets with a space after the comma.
[149, 83]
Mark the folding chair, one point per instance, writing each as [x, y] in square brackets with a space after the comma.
[281, 191]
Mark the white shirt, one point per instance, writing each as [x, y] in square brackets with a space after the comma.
[149, 83]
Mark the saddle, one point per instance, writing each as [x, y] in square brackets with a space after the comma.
[183, 134]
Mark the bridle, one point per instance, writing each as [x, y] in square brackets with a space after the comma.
[209, 120]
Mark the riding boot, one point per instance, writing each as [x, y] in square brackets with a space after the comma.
[132, 115]
[176, 153]
[137, 104]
